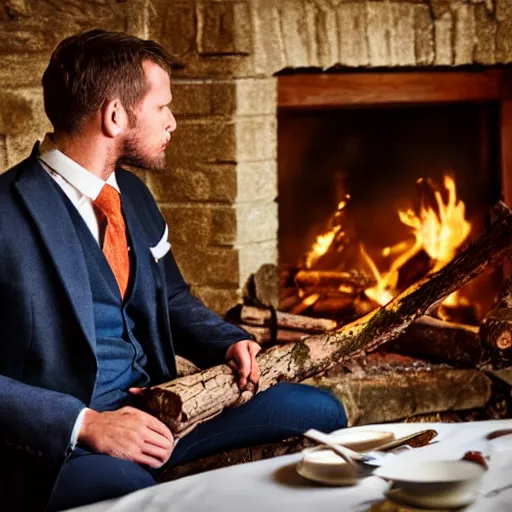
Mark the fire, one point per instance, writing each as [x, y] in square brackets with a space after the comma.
[439, 231]
[324, 242]
[439, 227]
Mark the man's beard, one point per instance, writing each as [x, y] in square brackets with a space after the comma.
[133, 153]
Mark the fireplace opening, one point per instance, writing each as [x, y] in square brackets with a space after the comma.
[375, 195]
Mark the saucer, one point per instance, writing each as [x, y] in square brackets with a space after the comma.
[402, 497]
[324, 466]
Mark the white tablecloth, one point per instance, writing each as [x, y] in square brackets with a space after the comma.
[273, 485]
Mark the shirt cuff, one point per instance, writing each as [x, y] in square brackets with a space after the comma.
[76, 429]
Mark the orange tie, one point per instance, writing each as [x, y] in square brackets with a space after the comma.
[115, 244]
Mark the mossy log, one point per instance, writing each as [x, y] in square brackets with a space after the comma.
[185, 402]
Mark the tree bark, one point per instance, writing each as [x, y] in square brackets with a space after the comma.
[263, 317]
[183, 403]
[441, 342]
[496, 327]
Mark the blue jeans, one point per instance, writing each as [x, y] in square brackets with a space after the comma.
[282, 411]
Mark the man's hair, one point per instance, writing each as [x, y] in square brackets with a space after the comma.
[86, 70]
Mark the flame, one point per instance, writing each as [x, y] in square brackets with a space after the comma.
[323, 242]
[438, 231]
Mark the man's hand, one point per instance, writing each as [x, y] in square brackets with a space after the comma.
[127, 433]
[243, 355]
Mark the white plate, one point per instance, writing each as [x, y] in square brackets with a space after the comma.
[361, 440]
[327, 477]
[429, 501]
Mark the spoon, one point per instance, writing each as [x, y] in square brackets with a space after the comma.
[350, 456]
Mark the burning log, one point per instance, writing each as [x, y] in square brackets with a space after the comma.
[334, 305]
[348, 282]
[185, 402]
[440, 341]
[264, 317]
[496, 327]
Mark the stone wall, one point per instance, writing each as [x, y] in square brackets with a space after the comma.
[219, 195]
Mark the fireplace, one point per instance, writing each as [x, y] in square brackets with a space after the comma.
[392, 142]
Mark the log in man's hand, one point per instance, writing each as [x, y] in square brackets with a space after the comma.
[127, 433]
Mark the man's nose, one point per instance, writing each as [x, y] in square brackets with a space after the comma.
[171, 123]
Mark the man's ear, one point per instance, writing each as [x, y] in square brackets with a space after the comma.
[114, 119]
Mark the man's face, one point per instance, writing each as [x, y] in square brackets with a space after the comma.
[144, 143]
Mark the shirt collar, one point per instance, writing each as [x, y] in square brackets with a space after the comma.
[83, 180]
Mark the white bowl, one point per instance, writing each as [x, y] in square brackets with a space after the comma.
[433, 484]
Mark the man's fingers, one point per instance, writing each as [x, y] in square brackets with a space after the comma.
[135, 391]
[152, 437]
[156, 425]
[254, 350]
[244, 366]
[147, 460]
[155, 452]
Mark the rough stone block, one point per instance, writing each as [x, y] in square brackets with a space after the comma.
[486, 28]
[443, 38]
[22, 70]
[220, 300]
[201, 224]
[208, 266]
[203, 140]
[310, 34]
[327, 37]
[256, 96]
[253, 255]
[3, 154]
[256, 181]
[353, 39]
[256, 222]
[380, 27]
[224, 28]
[203, 97]
[504, 33]
[256, 138]
[22, 122]
[403, 36]
[268, 55]
[208, 182]
[465, 36]
[424, 36]
[440, 7]
[174, 26]
[294, 39]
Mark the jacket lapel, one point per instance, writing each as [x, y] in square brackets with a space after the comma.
[59, 235]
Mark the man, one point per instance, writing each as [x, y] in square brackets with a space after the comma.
[93, 306]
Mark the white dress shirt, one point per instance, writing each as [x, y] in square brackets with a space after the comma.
[82, 187]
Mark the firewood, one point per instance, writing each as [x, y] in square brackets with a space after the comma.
[185, 402]
[351, 282]
[306, 302]
[264, 335]
[440, 341]
[496, 327]
[263, 317]
[334, 305]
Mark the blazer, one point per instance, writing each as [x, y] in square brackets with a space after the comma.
[47, 358]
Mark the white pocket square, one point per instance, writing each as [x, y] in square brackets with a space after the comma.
[162, 247]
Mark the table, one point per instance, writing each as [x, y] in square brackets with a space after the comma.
[273, 484]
